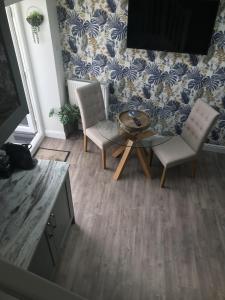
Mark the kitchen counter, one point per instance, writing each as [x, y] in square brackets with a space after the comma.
[26, 201]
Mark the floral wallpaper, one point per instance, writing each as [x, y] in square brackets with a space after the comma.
[93, 34]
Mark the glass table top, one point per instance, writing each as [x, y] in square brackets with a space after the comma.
[125, 122]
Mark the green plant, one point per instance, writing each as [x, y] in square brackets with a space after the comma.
[35, 19]
[67, 114]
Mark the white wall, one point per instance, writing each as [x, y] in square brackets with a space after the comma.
[46, 61]
[57, 50]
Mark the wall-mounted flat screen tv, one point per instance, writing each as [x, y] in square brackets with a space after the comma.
[184, 26]
[13, 107]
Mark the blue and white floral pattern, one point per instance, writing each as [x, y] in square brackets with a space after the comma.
[93, 34]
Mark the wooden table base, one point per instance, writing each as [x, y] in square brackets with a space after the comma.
[144, 161]
[118, 151]
[126, 153]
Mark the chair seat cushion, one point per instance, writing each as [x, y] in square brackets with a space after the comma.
[103, 133]
[173, 152]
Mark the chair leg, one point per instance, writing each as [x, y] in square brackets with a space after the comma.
[143, 161]
[103, 159]
[151, 157]
[85, 143]
[194, 167]
[163, 178]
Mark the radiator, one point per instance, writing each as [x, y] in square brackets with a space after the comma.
[76, 83]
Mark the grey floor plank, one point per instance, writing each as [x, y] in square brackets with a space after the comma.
[136, 241]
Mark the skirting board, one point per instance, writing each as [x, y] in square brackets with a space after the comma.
[55, 134]
[214, 148]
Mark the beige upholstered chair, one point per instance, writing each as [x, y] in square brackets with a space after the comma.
[186, 147]
[92, 110]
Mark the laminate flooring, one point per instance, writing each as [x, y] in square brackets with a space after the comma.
[135, 241]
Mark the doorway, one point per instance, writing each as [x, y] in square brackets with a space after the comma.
[30, 130]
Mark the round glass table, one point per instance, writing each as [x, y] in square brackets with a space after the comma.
[132, 129]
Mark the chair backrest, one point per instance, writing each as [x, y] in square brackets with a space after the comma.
[198, 124]
[91, 104]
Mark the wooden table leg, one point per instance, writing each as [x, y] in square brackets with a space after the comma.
[118, 151]
[123, 161]
[143, 160]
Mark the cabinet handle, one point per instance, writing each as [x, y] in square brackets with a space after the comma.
[53, 220]
[49, 230]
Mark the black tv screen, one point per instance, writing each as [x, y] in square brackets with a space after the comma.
[184, 26]
[13, 106]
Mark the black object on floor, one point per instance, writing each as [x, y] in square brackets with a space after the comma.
[20, 156]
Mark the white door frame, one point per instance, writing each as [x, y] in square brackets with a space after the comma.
[22, 51]
[32, 127]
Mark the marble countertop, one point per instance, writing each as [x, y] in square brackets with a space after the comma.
[26, 201]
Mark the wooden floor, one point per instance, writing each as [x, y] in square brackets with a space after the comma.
[135, 241]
